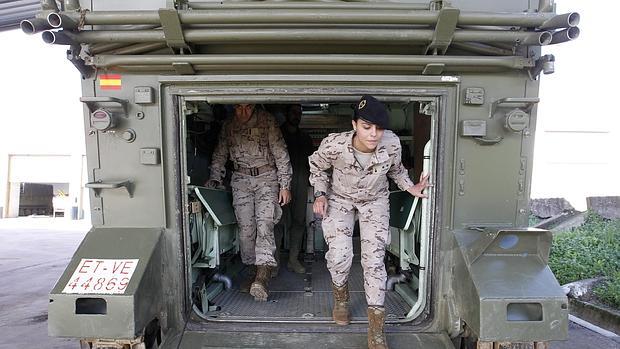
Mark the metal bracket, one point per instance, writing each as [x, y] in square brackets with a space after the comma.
[428, 108]
[73, 55]
[527, 103]
[183, 68]
[488, 141]
[98, 186]
[444, 30]
[173, 32]
[93, 102]
[434, 69]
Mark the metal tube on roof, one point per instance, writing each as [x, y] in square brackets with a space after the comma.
[344, 16]
[565, 35]
[383, 36]
[481, 49]
[34, 25]
[397, 62]
[306, 5]
[136, 49]
[567, 20]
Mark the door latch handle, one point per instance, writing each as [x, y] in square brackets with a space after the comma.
[98, 186]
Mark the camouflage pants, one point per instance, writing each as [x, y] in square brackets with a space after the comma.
[374, 224]
[255, 200]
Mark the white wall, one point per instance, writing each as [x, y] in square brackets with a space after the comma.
[40, 115]
[578, 134]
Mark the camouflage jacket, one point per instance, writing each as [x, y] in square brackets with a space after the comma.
[256, 143]
[333, 168]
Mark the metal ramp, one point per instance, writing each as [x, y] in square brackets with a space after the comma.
[291, 301]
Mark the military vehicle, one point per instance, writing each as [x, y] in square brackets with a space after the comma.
[160, 266]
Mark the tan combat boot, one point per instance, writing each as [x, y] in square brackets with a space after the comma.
[376, 320]
[247, 281]
[341, 304]
[259, 286]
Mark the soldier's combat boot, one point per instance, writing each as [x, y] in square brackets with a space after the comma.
[341, 305]
[376, 336]
[249, 278]
[293, 261]
[296, 239]
[259, 287]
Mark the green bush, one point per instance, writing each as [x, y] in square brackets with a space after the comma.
[589, 251]
[609, 292]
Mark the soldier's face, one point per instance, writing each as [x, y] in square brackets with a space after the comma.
[294, 116]
[367, 134]
[243, 112]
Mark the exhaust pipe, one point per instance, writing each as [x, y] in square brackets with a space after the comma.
[567, 20]
[224, 279]
[565, 35]
[57, 20]
[34, 25]
[58, 38]
[538, 38]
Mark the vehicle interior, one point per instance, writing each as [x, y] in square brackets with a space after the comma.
[214, 265]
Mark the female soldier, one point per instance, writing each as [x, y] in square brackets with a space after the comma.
[349, 173]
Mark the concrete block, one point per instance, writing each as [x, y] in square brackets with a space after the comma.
[606, 206]
[545, 208]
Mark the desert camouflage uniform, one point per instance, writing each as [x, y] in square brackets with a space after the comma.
[353, 190]
[256, 144]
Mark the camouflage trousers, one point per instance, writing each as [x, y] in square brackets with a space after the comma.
[255, 200]
[374, 222]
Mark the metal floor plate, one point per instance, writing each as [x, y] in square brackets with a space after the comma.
[289, 302]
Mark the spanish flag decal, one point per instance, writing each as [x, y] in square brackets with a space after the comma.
[110, 82]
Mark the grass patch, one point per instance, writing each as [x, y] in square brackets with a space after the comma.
[589, 251]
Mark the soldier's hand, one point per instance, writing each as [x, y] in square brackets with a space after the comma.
[284, 197]
[417, 189]
[320, 206]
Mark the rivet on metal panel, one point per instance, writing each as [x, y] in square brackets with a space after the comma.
[140, 115]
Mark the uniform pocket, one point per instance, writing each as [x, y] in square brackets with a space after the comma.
[381, 168]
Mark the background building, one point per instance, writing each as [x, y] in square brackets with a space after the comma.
[578, 136]
[41, 125]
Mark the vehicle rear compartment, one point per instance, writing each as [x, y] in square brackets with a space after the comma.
[216, 270]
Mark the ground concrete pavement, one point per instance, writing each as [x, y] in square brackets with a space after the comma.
[35, 251]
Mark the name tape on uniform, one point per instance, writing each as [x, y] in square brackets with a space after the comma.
[101, 276]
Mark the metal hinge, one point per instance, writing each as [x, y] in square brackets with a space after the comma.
[428, 108]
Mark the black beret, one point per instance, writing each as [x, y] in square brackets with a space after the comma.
[373, 111]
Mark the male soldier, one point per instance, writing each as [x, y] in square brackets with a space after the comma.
[299, 145]
[261, 179]
[360, 162]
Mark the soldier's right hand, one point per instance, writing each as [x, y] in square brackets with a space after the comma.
[320, 206]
